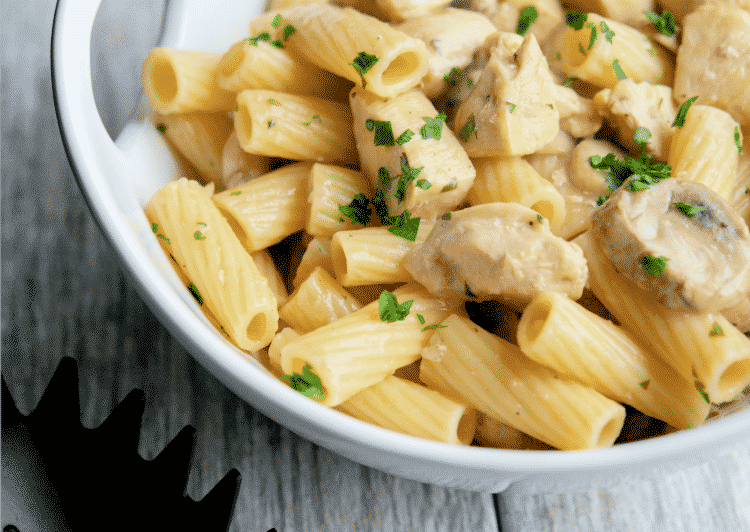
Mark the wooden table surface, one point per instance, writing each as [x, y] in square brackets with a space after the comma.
[64, 294]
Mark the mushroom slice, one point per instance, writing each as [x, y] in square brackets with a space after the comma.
[679, 240]
[497, 251]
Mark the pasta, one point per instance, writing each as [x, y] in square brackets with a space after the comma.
[389, 175]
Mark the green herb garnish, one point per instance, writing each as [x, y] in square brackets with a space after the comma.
[274, 102]
[195, 293]
[737, 138]
[654, 265]
[716, 330]
[307, 383]
[154, 227]
[682, 112]
[262, 36]
[405, 226]
[289, 30]
[701, 387]
[452, 185]
[161, 127]
[664, 22]
[608, 33]
[450, 77]
[424, 184]
[390, 309]
[511, 107]
[446, 216]
[433, 128]
[688, 210]
[236, 193]
[539, 218]
[404, 137]
[580, 49]
[468, 128]
[271, 123]
[277, 20]
[363, 63]
[644, 384]
[437, 326]
[569, 82]
[528, 16]
[421, 319]
[576, 20]
[381, 207]
[619, 73]
[592, 40]
[357, 211]
[408, 174]
[383, 132]
[163, 237]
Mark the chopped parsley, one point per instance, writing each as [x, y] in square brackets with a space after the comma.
[647, 172]
[408, 174]
[307, 383]
[433, 128]
[580, 49]
[682, 112]
[558, 56]
[236, 193]
[608, 33]
[421, 319]
[569, 82]
[154, 227]
[592, 40]
[540, 218]
[163, 237]
[317, 118]
[688, 210]
[470, 82]
[526, 19]
[405, 226]
[384, 177]
[198, 235]
[737, 139]
[305, 123]
[390, 309]
[363, 63]
[271, 123]
[381, 207]
[404, 137]
[450, 186]
[654, 265]
[701, 387]
[262, 36]
[424, 184]
[446, 216]
[619, 73]
[278, 44]
[664, 22]
[450, 77]
[161, 127]
[437, 326]
[383, 132]
[357, 211]
[716, 330]
[274, 102]
[576, 20]
[644, 384]
[277, 20]
[289, 30]
[195, 293]
[511, 107]
[468, 291]
[468, 128]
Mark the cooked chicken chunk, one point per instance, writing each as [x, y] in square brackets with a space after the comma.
[630, 105]
[499, 251]
[577, 115]
[510, 111]
[713, 61]
[678, 240]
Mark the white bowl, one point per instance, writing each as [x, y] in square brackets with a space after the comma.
[117, 180]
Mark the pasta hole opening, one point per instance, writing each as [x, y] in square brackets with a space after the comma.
[232, 61]
[256, 329]
[545, 208]
[535, 318]
[609, 432]
[734, 378]
[400, 68]
[163, 80]
[467, 426]
[244, 126]
[235, 225]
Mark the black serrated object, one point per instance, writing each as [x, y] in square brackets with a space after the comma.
[100, 480]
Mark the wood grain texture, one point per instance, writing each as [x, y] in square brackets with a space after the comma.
[63, 293]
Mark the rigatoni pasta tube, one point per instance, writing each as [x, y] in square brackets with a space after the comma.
[282, 338]
[514, 180]
[199, 137]
[473, 366]
[223, 276]
[182, 81]
[564, 336]
[331, 187]
[304, 128]
[266, 210]
[704, 348]
[403, 406]
[358, 47]
[267, 269]
[373, 255]
[359, 350]
[704, 150]
[318, 301]
[318, 253]
[630, 54]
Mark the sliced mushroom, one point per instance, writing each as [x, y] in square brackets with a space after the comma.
[501, 251]
[704, 250]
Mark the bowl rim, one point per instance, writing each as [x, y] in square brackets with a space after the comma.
[266, 393]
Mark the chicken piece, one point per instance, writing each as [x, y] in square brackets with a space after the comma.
[713, 61]
[504, 15]
[510, 112]
[630, 105]
[630, 12]
[679, 240]
[577, 116]
[501, 251]
[452, 36]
